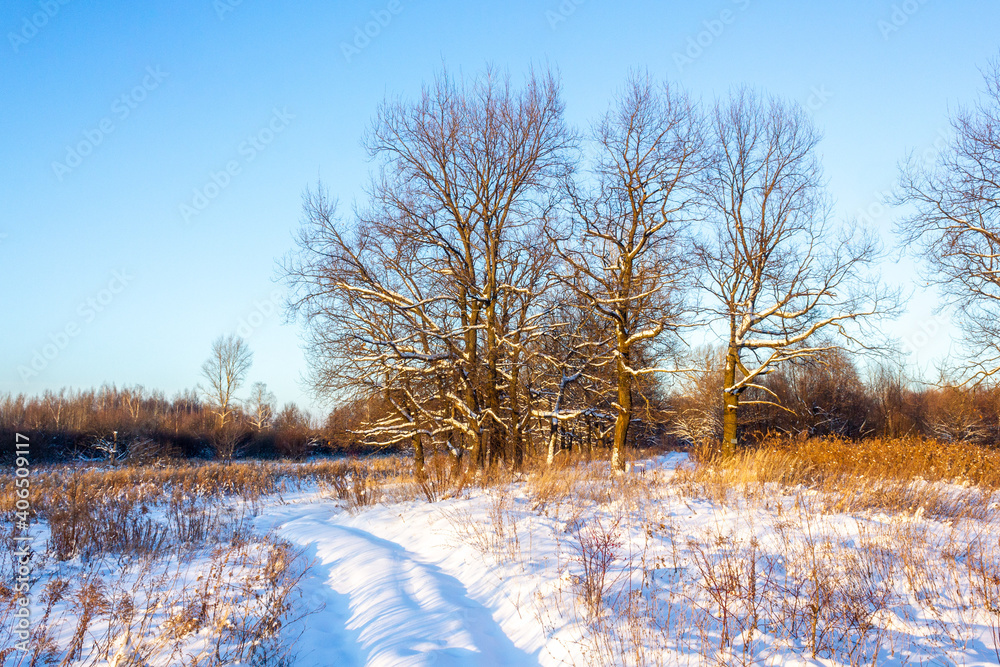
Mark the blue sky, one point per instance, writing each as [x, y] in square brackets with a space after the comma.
[154, 154]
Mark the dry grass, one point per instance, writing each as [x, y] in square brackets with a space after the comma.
[894, 475]
[816, 460]
[146, 562]
[149, 484]
[499, 535]
[230, 610]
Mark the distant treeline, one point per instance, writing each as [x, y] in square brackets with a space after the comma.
[830, 396]
[136, 424]
[824, 397]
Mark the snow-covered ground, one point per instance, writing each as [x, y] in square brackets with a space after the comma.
[494, 578]
[597, 569]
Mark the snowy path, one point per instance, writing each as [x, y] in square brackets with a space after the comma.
[382, 605]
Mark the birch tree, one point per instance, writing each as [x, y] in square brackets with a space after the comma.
[626, 253]
[782, 282]
[225, 370]
[260, 406]
[955, 225]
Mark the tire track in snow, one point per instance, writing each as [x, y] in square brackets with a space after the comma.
[395, 609]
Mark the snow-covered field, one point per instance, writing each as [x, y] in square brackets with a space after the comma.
[572, 567]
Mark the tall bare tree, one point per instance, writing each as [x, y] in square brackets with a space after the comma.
[782, 282]
[225, 370]
[626, 256]
[425, 297]
[956, 224]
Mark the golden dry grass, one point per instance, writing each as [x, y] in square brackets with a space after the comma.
[897, 475]
[797, 461]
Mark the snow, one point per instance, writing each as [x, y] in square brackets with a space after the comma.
[493, 577]
[385, 605]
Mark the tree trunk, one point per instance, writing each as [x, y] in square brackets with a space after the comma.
[730, 403]
[492, 437]
[624, 416]
[476, 453]
[553, 433]
[471, 324]
[418, 457]
[456, 462]
[590, 438]
[517, 446]
[515, 440]
[497, 435]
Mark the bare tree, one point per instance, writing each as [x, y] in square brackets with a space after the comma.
[226, 370]
[132, 399]
[782, 282]
[627, 258]
[260, 406]
[426, 298]
[956, 224]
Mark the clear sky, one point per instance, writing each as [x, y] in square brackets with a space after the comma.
[154, 153]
